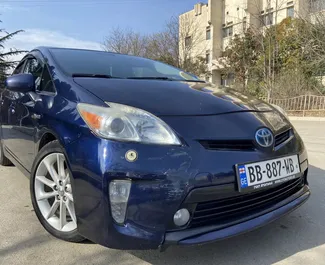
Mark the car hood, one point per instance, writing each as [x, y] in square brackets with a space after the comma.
[172, 98]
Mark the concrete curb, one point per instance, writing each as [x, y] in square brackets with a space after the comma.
[293, 118]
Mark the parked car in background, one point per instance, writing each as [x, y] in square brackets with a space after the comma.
[135, 154]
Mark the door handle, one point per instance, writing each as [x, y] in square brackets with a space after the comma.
[35, 116]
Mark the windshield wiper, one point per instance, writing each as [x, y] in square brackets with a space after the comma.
[135, 77]
[92, 75]
[152, 78]
[193, 81]
[164, 78]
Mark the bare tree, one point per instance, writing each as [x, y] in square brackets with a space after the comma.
[314, 35]
[163, 46]
[180, 43]
[263, 15]
[269, 49]
[126, 41]
[191, 39]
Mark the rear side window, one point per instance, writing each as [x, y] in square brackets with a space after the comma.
[46, 82]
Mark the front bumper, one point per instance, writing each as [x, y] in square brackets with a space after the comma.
[162, 177]
[217, 232]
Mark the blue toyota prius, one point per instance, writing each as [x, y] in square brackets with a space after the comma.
[134, 154]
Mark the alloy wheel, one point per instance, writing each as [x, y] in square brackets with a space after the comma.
[53, 193]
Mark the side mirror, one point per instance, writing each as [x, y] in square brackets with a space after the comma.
[21, 83]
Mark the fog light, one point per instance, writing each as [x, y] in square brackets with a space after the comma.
[119, 191]
[181, 217]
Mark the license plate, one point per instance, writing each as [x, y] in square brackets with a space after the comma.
[263, 174]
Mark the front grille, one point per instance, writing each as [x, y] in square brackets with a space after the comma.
[242, 145]
[234, 145]
[282, 137]
[236, 208]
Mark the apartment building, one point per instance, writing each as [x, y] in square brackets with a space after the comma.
[208, 28]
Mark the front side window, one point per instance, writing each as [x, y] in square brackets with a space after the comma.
[34, 67]
[19, 68]
[46, 81]
[74, 62]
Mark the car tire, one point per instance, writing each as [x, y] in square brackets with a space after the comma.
[55, 212]
[4, 161]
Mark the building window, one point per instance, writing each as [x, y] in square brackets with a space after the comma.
[188, 41]
[231, 78]
[208, 57]
[228, 79]
[225, 32]
[208, 33]
[228, 32]
[290, 11]
[244, 26]
[267, 19]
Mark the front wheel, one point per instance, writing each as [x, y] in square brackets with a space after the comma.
[52, 194]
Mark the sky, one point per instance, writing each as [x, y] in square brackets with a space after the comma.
[83, 23]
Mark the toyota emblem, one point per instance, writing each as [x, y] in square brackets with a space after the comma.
[264, 137]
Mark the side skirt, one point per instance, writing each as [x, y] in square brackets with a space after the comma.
[16, 163]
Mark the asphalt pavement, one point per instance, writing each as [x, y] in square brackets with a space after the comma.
[298, 238]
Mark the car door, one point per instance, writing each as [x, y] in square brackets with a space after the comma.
[8, 112]
[19, 137]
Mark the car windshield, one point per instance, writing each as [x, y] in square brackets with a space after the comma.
[111, 65]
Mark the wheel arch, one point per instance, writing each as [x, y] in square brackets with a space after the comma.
[59, 131]
[46, 138]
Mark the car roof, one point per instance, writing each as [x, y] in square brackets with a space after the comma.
[48, 48]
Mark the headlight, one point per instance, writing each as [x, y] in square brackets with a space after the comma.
[119, 191]
[280, 109]
[126, 123]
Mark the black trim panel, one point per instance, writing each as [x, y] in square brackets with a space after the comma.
[16, 163]
[219, 192]
[176, 237]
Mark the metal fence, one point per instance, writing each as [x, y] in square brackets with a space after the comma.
[303, 105]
